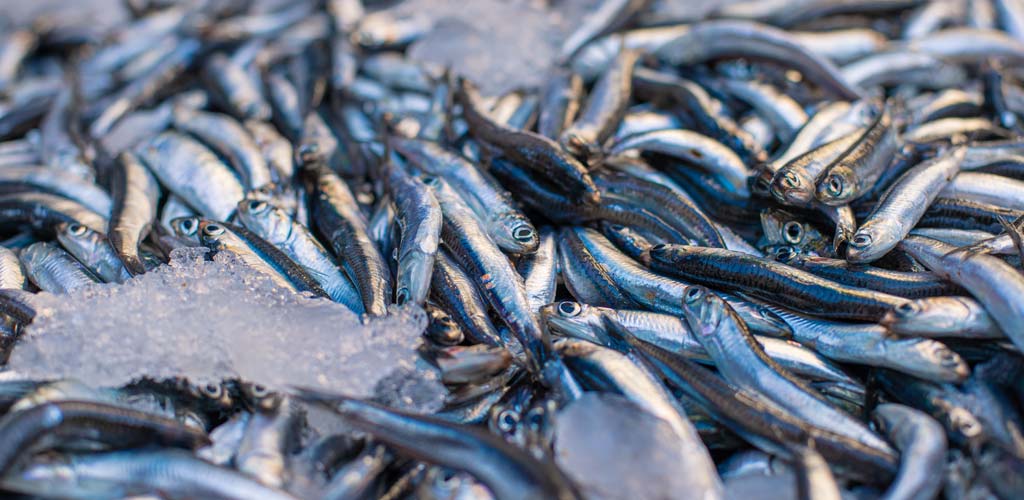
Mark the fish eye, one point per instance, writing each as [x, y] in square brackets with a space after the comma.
[535, 418]
[906, 309]
[213, 230]
[258, 390]
[791, 179]
[793, 232]
[861, 240]
[430, 180]
[835, 185]
[212, 391]
[507, 421]
[523, 233]
[77, 229]
[784, 254]
[402, 296]
[659, 247]
[617, 227]
[258, 206]
[569, 309]
[694, 294]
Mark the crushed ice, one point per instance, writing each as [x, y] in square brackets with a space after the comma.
[212, 320]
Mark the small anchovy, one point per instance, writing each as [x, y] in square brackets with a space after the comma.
[986, 188]
[490, 270]
[715, 39]
[418, 216]
[997, 285]
[230, 139]
[175, 473]
[782, 113]
[277, 228]
[135, 192]
[239, 88]
[270, 436]
[338, 218]
[902, 205]
[743, 362]
[692, 147]
[842, 45]
[922, 444]
[22, 178]
[256, 253]
[532, 150]
[969, 45]
[604, 109]
[859, 167]
[53, 270]
[559, 103]
[507, 471]
[795, 182]
[111, 424]
[948, 128]
[900, 283]
[769, 280]
[276, 150]
[540, 271]
[455, 293]
[177, 161]
[471, 364]
[94, 252]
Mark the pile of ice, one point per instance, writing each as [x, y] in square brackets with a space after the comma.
[614, 449]
[499, 44]
[214, 320]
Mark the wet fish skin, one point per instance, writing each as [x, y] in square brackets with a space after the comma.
[339, 220]
[277, 228]
[604, 109]
[508, 471]
[116, 425]
[860, 166]
[54, 270]
[533, 151]
[418, 216]
[135, 196]
[93, 250]
[560, 101]
[902, 206]
[458, 296]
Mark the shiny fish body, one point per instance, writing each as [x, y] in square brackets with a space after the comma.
[178, 161]
[419, 218]
[54, 270]
[902, 206]
[135, 192]
[94, 252]
[280, 230]
[339, 220]
[493, 206]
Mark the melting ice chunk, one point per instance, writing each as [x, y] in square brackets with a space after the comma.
[613, 449]
[215, 320]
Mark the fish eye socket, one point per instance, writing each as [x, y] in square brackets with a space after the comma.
[211, 390]
[523, 233]
[430, 180]
[793, 231]
[569, 309]
[617, 227]
[258, 390]
[77, 229]
[507, 421]
[784, 254]
[861, 240]
[213, 230]
[792, 180]
[907, 308]
[257, 206]
[694, 294]
[835, 185]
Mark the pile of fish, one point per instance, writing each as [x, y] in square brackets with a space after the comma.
[773, 252]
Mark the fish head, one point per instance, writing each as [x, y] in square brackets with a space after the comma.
[572, 319]
[792, 187]
[931, 315]
[703, 311]
[520, 234]
[266, 220]
[869, 243]
[212, 234]
[838, 185]
[187, 228]
[81, 238]
[929, 359]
